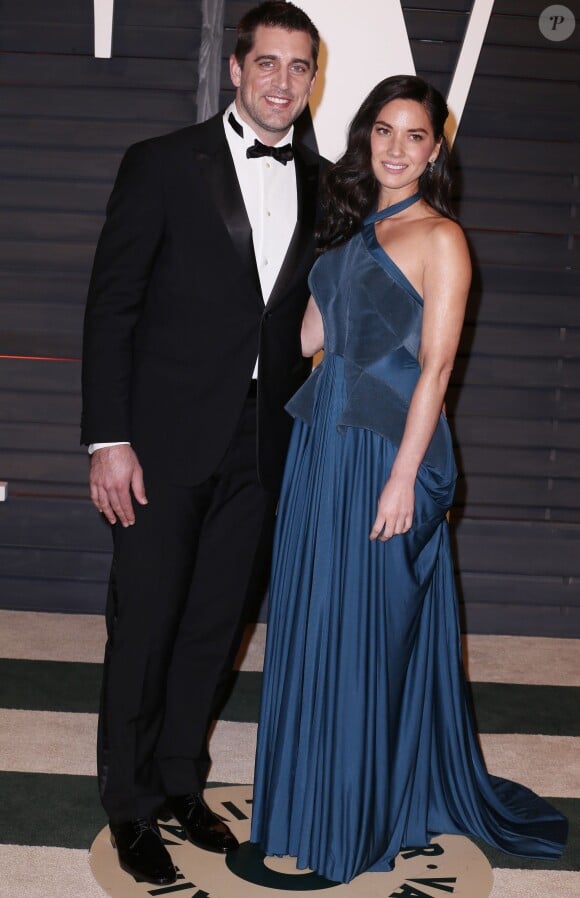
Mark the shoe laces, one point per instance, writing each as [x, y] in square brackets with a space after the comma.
[143, 825]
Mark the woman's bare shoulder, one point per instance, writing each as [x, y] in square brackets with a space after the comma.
[444, 237]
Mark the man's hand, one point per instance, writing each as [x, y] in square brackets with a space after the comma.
[115, 473]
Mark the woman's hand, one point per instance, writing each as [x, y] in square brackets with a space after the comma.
[395, 508]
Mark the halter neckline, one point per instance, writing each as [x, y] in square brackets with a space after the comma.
[392, 210]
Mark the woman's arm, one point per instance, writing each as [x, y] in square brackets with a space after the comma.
[447, 275]
[312, 334]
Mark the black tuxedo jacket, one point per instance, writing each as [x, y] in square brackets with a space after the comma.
[175, 316]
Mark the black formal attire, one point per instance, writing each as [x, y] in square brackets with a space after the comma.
[175, 319]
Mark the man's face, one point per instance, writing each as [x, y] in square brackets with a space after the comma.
[275, 81]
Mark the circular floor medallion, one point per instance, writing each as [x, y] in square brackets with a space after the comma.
[450, 866]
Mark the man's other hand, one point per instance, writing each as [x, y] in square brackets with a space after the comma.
[115, 474]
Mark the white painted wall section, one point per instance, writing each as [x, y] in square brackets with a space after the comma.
[362, 43]
[103, 13]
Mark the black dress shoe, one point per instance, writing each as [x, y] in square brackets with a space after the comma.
[142, 852]
[202, 827]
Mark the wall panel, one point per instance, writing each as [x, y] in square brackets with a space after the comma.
[65, 120]
[514, 402]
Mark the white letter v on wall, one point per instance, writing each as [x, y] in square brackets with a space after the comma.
[466, 63]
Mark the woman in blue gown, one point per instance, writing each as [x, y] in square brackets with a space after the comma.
[365, 742]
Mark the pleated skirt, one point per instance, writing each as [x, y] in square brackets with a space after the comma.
[366, 742]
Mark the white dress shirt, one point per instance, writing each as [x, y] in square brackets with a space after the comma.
[269, 192]
[270, 197]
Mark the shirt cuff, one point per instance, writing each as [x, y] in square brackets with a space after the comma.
[94, 446]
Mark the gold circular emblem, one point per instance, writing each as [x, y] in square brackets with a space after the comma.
[449, 866]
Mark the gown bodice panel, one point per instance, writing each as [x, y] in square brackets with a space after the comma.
[372, 319]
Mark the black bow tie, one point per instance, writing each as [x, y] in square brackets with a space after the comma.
[280, 154]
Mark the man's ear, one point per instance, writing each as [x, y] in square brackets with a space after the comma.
[235, 71]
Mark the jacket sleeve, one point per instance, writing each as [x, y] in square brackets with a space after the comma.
[124, 259]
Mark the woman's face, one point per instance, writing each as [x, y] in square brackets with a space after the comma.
[402, 145]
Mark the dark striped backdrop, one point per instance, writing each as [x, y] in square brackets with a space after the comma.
[515, 399]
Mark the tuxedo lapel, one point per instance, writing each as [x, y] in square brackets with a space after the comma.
[301, 243]
[216, 167]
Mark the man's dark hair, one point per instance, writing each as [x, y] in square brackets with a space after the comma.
[274, 14]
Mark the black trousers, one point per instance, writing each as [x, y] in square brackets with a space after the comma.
[179, 584]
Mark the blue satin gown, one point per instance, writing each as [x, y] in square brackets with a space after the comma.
[365, 742]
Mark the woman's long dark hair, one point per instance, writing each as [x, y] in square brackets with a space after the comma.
[351, 188]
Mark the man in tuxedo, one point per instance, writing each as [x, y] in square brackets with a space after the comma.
[191, 350]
